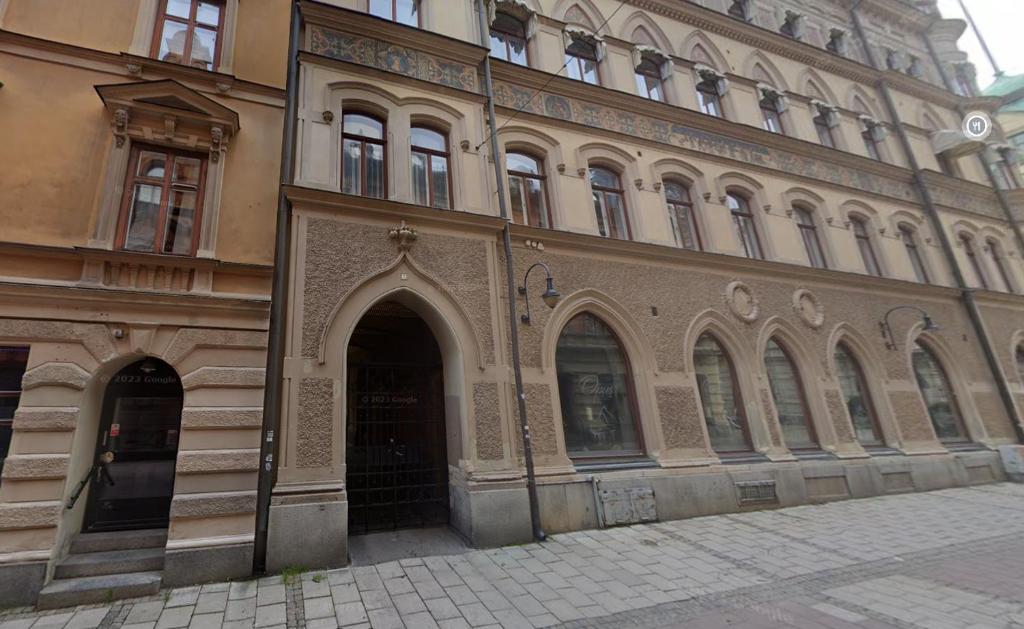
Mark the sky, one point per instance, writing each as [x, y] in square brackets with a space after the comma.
[1001, 23]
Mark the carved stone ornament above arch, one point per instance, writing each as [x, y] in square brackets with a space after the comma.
[742, 302]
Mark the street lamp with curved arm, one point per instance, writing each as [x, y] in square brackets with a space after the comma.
[890, 340]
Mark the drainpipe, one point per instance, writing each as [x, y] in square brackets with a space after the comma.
[278, 301]
[510, 279]
[967, 294]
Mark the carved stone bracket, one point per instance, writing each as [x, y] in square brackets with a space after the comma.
[404, 235]
[120, 126]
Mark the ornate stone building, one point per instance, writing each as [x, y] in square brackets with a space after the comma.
[137, 198]
[785, 276]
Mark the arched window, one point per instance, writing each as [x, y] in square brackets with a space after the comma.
[910, 244]
[527, 190]
[972, 258]
[857, 398]
[790, 401]
[681, 215]
[999, 264]
[595, 387]
[720, 397]
[609, 204]
[743, 222]
[508, 39]
[648, 79]
[867, 250]
[581, 61]
[363, 162]
[431, 176]
[809, 234]
[402, 11]
[938, 395]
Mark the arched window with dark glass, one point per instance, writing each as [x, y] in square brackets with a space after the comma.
[431, 175]
[402, 11]
[790, 399]
[508, 39]
[681, 215]
[938, 395]
[609, 204]
[527, 190]
[864, 245]
[743, 224]
[720, 397]
[913, 254]
[648, 79]
[581, 61]
[1002, 273]
[595, 387]
[809, 235]
[363, 161]
[972, 258]
[857, 398]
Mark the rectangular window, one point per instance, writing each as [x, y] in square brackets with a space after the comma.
[189, 32]
[13, 361]
[163, 199]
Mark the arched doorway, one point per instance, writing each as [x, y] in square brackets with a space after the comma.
[396, 451]
[132, 479]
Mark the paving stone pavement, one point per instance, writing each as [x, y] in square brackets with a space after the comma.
[948, 559]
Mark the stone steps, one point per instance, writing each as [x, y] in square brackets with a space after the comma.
[100, 589]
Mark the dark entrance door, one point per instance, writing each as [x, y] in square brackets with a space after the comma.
[396, 453]
[133, 475]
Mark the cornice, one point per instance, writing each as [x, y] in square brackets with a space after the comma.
[134, 65]
[713, 21]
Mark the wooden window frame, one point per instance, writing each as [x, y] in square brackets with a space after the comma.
[997, 261]
[862, 384]
[686, 207]
[431, 154]
[972, 258]
[741, 214]
[577, 59]
[542, 178]
[737, 395]
[863, 239]
[364, 140]
[190, 27]
[809, 230]
[132, 178]
[802, 391]
[506, 35]
[394, 13]
[603, 192]
[907, 235]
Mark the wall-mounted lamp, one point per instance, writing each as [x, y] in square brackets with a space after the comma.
[550, 295]
[890, 341]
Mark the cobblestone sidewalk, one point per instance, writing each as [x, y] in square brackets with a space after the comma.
[941, 560]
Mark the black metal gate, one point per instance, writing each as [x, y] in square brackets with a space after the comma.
[396, 453]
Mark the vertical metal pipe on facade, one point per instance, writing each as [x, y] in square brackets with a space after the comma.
[278, 303]
[971, 305]
[510, 280]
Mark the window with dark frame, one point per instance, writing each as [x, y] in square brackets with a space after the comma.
[596, 392]
[972, 258]
[581, 61]
[939, 398]
[163, 201]
[189, 32]
[508, 39]
[743, 223]
[609, 204]
[865, 246]
[720, 397]
[648, 79]
[13, 361]
[809, 235]
[790, 398]
[364, 155]
[909, 239]
[528, 190]
[857, 397]
[681, 215]
[1000, 264]
[402, 11]
[431, 168]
